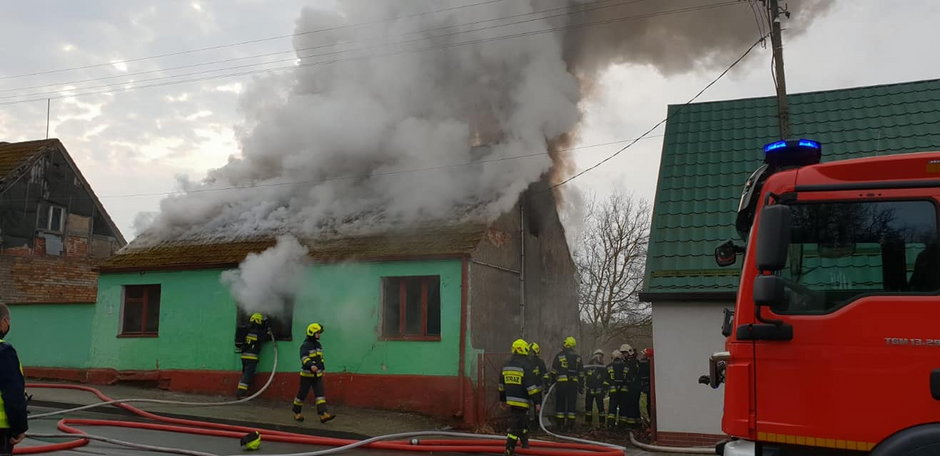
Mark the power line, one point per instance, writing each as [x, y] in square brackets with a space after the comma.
[581, 9]
[117, 88]
[658, 124]
[241, 43]
[370, 175]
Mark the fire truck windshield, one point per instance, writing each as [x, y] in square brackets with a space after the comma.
[841, 251]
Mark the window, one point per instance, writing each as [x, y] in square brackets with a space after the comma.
[50, 217]
[411, 308]
[841, 251]
[140, 312]
[280, 322]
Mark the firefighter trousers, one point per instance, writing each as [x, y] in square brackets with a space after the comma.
[617, 407]
[249, 366]
[306, 384]
[566, 401]
[632, 406]
[518, 428]
[594, 397]
[6, 448]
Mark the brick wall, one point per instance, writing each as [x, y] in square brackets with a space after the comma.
[47, 279]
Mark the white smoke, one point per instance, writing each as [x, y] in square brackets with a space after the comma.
[386, 111]
[266, 282]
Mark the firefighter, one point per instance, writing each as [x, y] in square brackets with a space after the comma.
[568, 375]
[538, 367]
[311, 374]
[645, 381]
[254, 337]
[632, 396]
[12, 391]
[519, 389]
[616, 388]
[595, 379]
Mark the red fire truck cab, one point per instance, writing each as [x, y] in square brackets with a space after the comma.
[834, 344]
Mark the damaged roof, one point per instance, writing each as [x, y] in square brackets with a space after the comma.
[16, 159]
[18, 156]
[442, 241]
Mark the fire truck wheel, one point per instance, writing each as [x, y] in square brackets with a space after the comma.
[921, 440]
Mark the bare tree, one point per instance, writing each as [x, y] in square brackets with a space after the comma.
[611, 256]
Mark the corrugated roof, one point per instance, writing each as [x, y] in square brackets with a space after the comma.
[14, 155]
[419, 242]
[710, 148]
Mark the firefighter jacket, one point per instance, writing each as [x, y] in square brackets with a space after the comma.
[567, 367]
[539, 369]
[12, 391]
[311, 354]
[644, 375]
[617, 376]
[595, 380]
[251, 345]
[633, 375]
[518, 384]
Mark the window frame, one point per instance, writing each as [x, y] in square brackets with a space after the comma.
[424, 281]
[241, 318]
[48, 208]
[891, 199]
[144, 310]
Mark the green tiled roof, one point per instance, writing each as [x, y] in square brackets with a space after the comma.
[710, 149]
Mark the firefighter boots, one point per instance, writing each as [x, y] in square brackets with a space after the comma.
[326, 416]
[299, 417]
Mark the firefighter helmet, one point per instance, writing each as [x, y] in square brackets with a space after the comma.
[534, 347]
[251, 440]
[313, 329]
[597, 352]
[569, 342]
[627, 350]
[520, 347]
[615, 354]
[256, 318]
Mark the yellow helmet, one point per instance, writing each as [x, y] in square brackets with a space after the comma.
[313, 329]
[570, 342]
[256, 318]
[535, 348]
[520, 347]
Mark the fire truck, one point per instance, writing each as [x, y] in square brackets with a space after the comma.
[833, 347]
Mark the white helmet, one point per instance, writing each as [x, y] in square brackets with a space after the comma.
[615, 354]
[627, 350]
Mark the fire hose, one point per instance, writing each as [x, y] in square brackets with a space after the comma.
[460, 442]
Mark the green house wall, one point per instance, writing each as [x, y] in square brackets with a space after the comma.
[52, 335]
[198, 318]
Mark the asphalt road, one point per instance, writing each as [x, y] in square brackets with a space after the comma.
[209, 444]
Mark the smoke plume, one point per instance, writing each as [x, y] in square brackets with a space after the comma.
[446, 112]
[266, 282]
[415, 111]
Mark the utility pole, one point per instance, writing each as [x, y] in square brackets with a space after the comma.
[783, 107]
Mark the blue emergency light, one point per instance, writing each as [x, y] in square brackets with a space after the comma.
[792, 152]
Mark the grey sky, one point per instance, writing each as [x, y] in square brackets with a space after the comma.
[138, 142]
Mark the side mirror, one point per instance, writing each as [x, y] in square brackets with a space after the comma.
[726, 253]
[769, 292]
[773, 237]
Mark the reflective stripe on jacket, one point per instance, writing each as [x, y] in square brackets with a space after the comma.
[518, 384]
[311, 354]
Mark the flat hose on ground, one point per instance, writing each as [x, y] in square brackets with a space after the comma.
[469, 443]
[166, 401]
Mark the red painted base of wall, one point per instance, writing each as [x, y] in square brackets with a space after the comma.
[687, 439]
[431, 395]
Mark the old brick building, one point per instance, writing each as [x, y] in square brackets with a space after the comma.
[53, 229]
